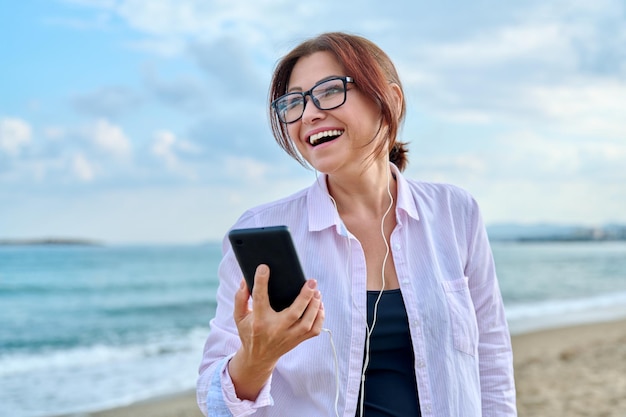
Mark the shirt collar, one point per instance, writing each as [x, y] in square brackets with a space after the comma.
[322, 211]
[323, 214]
[405, 202]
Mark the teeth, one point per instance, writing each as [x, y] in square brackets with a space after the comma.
[313, 139]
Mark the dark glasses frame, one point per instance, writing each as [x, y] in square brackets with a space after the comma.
[304, 94]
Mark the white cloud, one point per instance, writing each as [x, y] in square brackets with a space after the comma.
[591, 106]
[543, 158]
[581, 202]
[110, 138]
[162, 147]
[54, 132]
[167, 17]
[551, 69]
[82, 168]
[14, 135]
[248, 169]
[548, 42]
[530, 176]
[165, 26]
[167, 148]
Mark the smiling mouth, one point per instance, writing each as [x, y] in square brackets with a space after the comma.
[325, 136]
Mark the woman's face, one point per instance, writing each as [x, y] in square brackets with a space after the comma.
[347, 130]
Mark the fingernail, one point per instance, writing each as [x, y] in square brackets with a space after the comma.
[262, 269]
[318, 294]
[242, 285]
[312, 283]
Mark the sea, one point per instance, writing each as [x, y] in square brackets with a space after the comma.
[84, 328]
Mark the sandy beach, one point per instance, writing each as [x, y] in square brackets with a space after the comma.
[573, 371]
[183, 405]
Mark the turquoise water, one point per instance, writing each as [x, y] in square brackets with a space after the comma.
[553, 284]
[62, 297]
[85, 328]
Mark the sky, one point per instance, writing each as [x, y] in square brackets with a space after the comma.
[145, 121]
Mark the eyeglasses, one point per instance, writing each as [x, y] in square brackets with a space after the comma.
[325, 95]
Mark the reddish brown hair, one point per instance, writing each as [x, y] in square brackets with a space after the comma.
[372, 71]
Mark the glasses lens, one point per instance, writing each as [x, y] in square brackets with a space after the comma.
[329, 94]
[289, 107]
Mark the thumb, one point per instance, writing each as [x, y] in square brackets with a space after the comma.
[260, 289]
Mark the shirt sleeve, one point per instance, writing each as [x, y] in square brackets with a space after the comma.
[215, 390]
[494, 344]
[217, 398]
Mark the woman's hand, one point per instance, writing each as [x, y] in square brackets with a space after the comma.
[266, 335]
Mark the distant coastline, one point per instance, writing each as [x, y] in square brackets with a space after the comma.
[556, 233]
[50, 242]
[549, 239]
[498, 232]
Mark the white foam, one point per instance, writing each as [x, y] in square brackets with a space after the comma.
[529, 317]
[98, 377]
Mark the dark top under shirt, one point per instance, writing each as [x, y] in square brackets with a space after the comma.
[390, 386]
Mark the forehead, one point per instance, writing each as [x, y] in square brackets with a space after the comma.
[310, 69]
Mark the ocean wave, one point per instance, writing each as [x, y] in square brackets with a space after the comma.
[184, 305]
[85, 356]
[527, 317]
[97, 377]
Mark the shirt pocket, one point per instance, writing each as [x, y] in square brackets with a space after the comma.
[462, 315]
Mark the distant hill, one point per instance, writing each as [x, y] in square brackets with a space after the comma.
[552, 232]
[49, 241]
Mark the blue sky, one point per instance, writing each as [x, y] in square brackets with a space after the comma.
[137, 121]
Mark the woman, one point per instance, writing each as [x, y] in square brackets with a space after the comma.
[405, 283]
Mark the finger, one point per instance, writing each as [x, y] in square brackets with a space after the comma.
[240, 310]
[301, 303]
[318, 324]
[259, 290]
[307, 320]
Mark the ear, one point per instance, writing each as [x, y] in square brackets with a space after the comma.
[396, 92]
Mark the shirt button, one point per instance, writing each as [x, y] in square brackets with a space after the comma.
[420, 364]
[406, 281]
[397, 246]
[427, 408]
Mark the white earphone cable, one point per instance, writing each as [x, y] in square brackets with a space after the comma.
[349, 275]
[370, 330]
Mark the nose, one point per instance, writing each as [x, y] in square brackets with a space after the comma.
[311, 112]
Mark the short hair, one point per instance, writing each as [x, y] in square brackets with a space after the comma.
[372, 71]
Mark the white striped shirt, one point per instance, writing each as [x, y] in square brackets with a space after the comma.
[461, 342]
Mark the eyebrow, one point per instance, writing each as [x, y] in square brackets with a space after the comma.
[299, 89]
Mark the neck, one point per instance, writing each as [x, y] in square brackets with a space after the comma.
[366, 192]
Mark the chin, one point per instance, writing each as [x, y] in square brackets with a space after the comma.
[328, 162]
